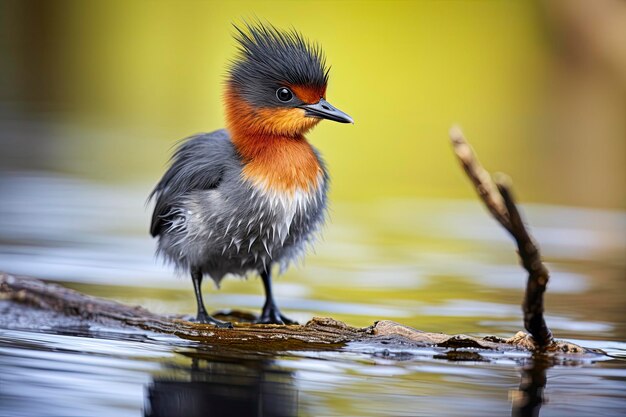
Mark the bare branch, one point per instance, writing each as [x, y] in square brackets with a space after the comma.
[499, 200]
[486, 188]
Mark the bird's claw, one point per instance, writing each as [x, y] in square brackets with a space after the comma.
[207, 319]
[272, 315]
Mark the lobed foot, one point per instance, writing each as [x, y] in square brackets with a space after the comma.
[272, 315]
[207, 319]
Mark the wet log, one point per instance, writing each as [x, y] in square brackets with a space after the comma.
[318, 334]
[497, 196]
[326, 333]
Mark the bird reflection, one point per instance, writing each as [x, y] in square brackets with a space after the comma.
[224, 387]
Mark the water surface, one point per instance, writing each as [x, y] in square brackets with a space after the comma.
[437, 265]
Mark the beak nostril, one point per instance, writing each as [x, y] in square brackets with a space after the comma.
[325, 107]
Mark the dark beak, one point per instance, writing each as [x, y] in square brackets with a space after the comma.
[324, 110]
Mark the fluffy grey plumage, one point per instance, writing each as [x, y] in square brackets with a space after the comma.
[208, 217]
[242, 200]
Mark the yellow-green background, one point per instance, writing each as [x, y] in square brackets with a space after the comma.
[120, 81]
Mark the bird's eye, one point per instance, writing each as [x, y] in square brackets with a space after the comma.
[284, 94]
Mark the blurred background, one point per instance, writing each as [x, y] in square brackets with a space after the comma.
[101, 90]
[94, 94]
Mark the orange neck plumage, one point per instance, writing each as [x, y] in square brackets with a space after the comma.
[271, 142]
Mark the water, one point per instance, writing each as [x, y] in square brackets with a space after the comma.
[435, 265]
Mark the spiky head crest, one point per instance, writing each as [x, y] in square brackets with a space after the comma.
[270, 58]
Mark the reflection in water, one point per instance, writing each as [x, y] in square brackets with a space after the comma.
[214, 388]
[528, 400]
[109, 374]
[438, 266]
[530, 397]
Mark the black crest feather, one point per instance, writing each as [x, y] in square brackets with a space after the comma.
[269, 58]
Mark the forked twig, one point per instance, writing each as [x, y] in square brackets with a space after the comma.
[498, 198]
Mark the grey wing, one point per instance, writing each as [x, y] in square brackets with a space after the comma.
[197, 164]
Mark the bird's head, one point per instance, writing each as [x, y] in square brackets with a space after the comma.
[277, 84]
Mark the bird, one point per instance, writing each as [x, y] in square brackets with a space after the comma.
[243, 199]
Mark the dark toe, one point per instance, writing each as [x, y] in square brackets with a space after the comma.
[223, 324]
[206, 319]
[287, 320]
[274, 317]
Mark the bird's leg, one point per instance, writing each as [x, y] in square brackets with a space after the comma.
[271, 314]
[203, 316]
